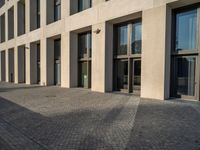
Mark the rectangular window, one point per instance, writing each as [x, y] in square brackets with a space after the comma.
[57, 10]
[84, 4]
[85, 45]
[136, 41]
[186, 30]
[186, 76]
[122, 40]
[38, 13]
[184, 65]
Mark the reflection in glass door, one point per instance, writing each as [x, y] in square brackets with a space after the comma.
[85, 73]
[186, 76]
[136, 79]
[122, 75]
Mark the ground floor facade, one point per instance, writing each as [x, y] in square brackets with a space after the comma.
[149, 49]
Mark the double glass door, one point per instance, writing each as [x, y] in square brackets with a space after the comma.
[186, 77]
[128, 75]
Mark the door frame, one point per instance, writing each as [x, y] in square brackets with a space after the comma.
[186, 97]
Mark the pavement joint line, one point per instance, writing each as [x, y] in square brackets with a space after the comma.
[31, 139]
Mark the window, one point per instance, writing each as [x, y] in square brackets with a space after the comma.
[85, 44]
[136, 41]
[186, 30]
[184, 65]
[38, 13]
[122, 40]
[84, 4]
[85, 53]
[127, 57]
[57, 10]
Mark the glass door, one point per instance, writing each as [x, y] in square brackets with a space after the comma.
[136, 76]
[186, 77]
[122, 75]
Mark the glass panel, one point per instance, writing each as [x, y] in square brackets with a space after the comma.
[137, 73]
[122, 40]
[136, 38]
[122, 75]
[38, 63]
[84, 4]
[38, 13]
[57, 10]
[186, 76]
[83, 74]
[90, 44]
[186, 30]
[57, 50]
[83, 45]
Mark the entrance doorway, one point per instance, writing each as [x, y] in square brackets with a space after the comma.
[185, 54]
[127, 57]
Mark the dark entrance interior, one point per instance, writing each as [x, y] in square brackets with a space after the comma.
[57, 62]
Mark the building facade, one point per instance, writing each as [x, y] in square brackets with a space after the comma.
[145, 47]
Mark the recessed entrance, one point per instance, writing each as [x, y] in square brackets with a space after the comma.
[84, 55]
[127, 57]
[185, 55]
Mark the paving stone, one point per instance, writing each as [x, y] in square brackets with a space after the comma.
[53, 118]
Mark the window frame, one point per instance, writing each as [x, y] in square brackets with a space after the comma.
[185, 53]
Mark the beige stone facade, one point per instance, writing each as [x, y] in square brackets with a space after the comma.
[156, 16]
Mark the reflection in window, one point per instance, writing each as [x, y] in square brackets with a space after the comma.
[122, 40]
[57, 10]
[136, 38]
[186, 30]
[85, 45]
[84, 4]
[122, 74]
[186, 76]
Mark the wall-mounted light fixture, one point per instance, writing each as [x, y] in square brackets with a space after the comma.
[27, 48]
[97, 31]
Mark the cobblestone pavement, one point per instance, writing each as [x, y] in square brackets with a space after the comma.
[53, 118]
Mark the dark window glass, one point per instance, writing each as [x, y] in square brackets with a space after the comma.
[122, 40]
[137, 73]
[136, 38]
[83, 74]
[38, 13]
[186, 76]
[122, 75]
[57, 10]
[85, 45]
[57, 50]
[90, 44]
[84, 4]
[186, 30]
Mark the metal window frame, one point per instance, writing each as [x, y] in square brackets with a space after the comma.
[185, 53]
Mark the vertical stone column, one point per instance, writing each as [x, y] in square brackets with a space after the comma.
[28, 63]
[43, 14]
[27, 15]
[155, 44]
[65, 60]
[15, 65]
[6, 26]
[102, 53]
[7, 65]
[43, 63]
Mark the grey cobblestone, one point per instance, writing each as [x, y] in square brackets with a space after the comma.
[53, 118]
